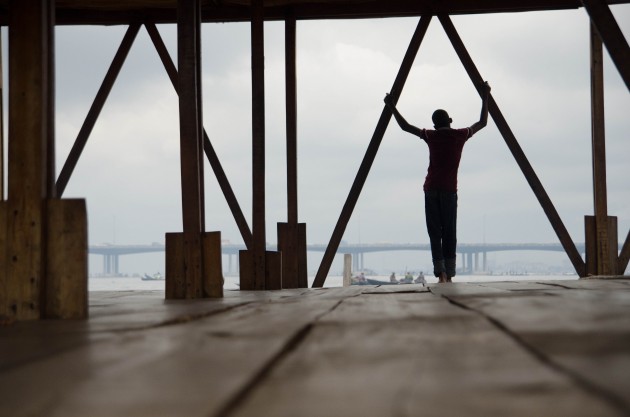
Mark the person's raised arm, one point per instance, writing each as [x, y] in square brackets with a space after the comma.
[483, 118]
[404, 125]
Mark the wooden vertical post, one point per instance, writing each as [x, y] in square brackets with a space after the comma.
[258, 146]
[291, 118]
[255, 273]
[603, 263]
[292, 235]
[188, 15]
[1, 124]
[50, 130]
[25, 220]
[193, 258]
[43, 240]
[370, 154]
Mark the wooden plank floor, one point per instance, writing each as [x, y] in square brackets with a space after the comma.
[549, 348]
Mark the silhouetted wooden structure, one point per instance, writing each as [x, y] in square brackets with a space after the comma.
[43, 238]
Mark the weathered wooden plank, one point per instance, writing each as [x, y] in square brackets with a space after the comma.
[570, 330]
[114, 313]
[519, 285]
[190, 369]
[596, 283]
[467, 290]
[397, 289]
[67, 260]
[412, 354]
[516, 150]
[316, 351]
[370, 153]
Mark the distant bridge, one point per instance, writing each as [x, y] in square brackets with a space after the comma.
[470, 251]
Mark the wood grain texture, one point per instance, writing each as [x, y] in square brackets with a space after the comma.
[67, 266]
[212, 265]
[490, 349]
[28, 156]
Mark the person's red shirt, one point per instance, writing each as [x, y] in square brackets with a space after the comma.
[445, 152]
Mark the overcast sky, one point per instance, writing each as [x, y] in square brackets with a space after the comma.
[537, 64]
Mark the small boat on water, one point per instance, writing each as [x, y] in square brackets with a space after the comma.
[155, 277]
[408, 279]
[371, 281]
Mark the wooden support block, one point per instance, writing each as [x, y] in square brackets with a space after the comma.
[184, 266]
[273, 271]
[66, 284]
[174, 267]
[213, 272]
[193, 265]
[292, 244]
[592, 247]
[246, 268]
[613, 246]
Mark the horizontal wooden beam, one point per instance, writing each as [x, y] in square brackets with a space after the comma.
[80, 12]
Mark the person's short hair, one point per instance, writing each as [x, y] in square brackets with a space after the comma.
[441, 118]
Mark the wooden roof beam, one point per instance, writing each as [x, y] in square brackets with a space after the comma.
[83, 12]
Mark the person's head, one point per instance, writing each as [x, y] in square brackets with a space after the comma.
[441, 119]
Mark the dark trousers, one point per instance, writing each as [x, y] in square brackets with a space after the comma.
[441, 213]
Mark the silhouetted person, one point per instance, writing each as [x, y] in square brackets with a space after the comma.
[440, 186]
